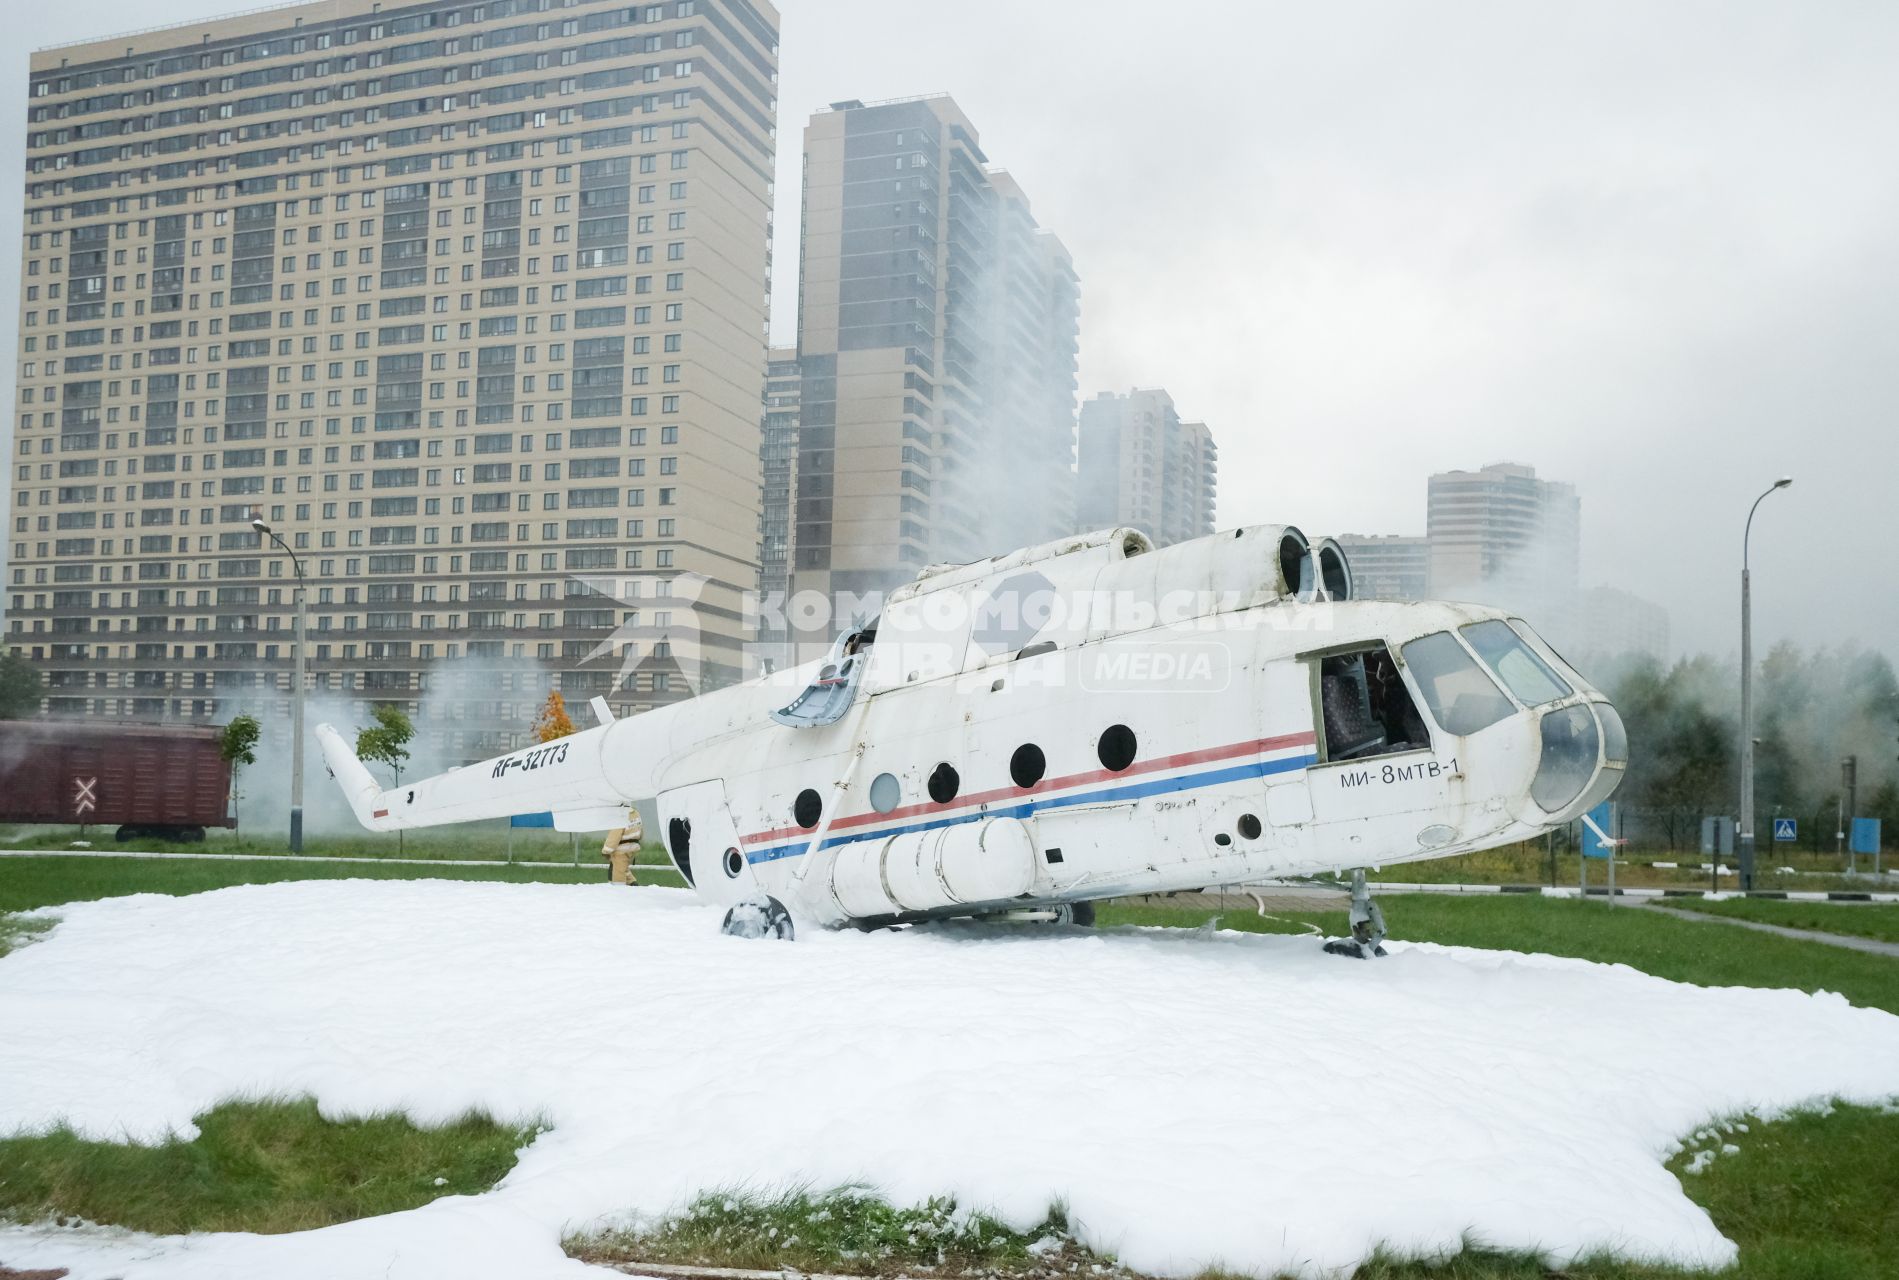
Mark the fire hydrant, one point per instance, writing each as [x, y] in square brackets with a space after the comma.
[621, 847]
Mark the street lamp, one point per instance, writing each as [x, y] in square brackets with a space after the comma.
[296, 695]
[1747, 698]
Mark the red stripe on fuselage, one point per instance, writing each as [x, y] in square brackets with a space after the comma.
[1257, 746]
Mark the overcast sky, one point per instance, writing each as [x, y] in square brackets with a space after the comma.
[1649, 248]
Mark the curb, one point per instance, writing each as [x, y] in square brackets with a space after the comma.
[1602, 891]
[588, 861]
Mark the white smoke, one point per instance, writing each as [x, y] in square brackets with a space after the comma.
[438, 712]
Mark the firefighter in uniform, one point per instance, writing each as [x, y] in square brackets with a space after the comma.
[622, 846]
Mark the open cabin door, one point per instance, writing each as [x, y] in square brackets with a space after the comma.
[1286, 708]
[831, 692]
[1378, 782]
[697, 829]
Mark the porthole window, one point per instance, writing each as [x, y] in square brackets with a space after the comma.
[807, 809]
[1027, 765]
[734, 862]
[945, 782]
[1248, 826]
[885, 792]
[1116, 747]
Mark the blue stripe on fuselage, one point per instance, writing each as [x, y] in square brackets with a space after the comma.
[1127, 791]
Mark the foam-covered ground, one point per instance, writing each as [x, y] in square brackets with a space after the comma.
[1231, 1098]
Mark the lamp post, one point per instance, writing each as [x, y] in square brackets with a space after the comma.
[1747, 697]
[296, 694]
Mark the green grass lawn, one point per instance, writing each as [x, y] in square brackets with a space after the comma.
[1860, 920]
[1647, 940]
[255, 1166]
[17, 932]
[30, 881]
[1811, 1196]
[850, 1230]
[474, 841]
[1244, 919]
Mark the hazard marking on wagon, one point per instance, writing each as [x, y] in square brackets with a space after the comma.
[84, 795]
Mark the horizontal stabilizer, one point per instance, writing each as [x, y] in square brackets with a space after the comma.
[604, 818]
[596, 818]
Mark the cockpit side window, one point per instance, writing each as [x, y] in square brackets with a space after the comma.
[1366, 708]
[1460, 696]
[1522, 671]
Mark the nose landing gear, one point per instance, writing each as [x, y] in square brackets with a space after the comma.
[1367, 923]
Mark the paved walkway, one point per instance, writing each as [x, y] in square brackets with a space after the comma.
[1872, 946]
[589, 859]
[1884, 890]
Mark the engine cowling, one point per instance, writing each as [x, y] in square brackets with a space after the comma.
[992, 860]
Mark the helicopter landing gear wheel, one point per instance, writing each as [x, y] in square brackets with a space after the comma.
[758, 918]
[1079, 914]
[1367, 922]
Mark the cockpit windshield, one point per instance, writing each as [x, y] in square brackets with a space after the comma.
[1521, 669]
[1557, 662]
[1460, 696]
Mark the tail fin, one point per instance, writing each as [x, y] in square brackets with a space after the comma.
[359, 788]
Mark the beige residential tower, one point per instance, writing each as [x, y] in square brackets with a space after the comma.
[466, 299]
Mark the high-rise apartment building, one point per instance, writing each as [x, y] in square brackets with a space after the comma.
[1142, 466]
[1388, 566]
[1502, 536]
[465, 297]
[937, 337]
[778, 454]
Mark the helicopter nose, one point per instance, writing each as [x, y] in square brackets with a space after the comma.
[1584, 753]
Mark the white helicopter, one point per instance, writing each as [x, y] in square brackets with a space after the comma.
[1077, 721]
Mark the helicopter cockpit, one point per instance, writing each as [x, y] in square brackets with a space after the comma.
[1467, 679]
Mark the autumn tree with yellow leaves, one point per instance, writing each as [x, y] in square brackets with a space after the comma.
[553, 722]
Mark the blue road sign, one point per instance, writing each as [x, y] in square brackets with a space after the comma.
[1598, 826]
[1785, 829]
[1866, 835]
[532, 820]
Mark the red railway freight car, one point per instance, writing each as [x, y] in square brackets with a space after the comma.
[152, 780]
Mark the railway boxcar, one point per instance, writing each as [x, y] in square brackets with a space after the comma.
[149, 780]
